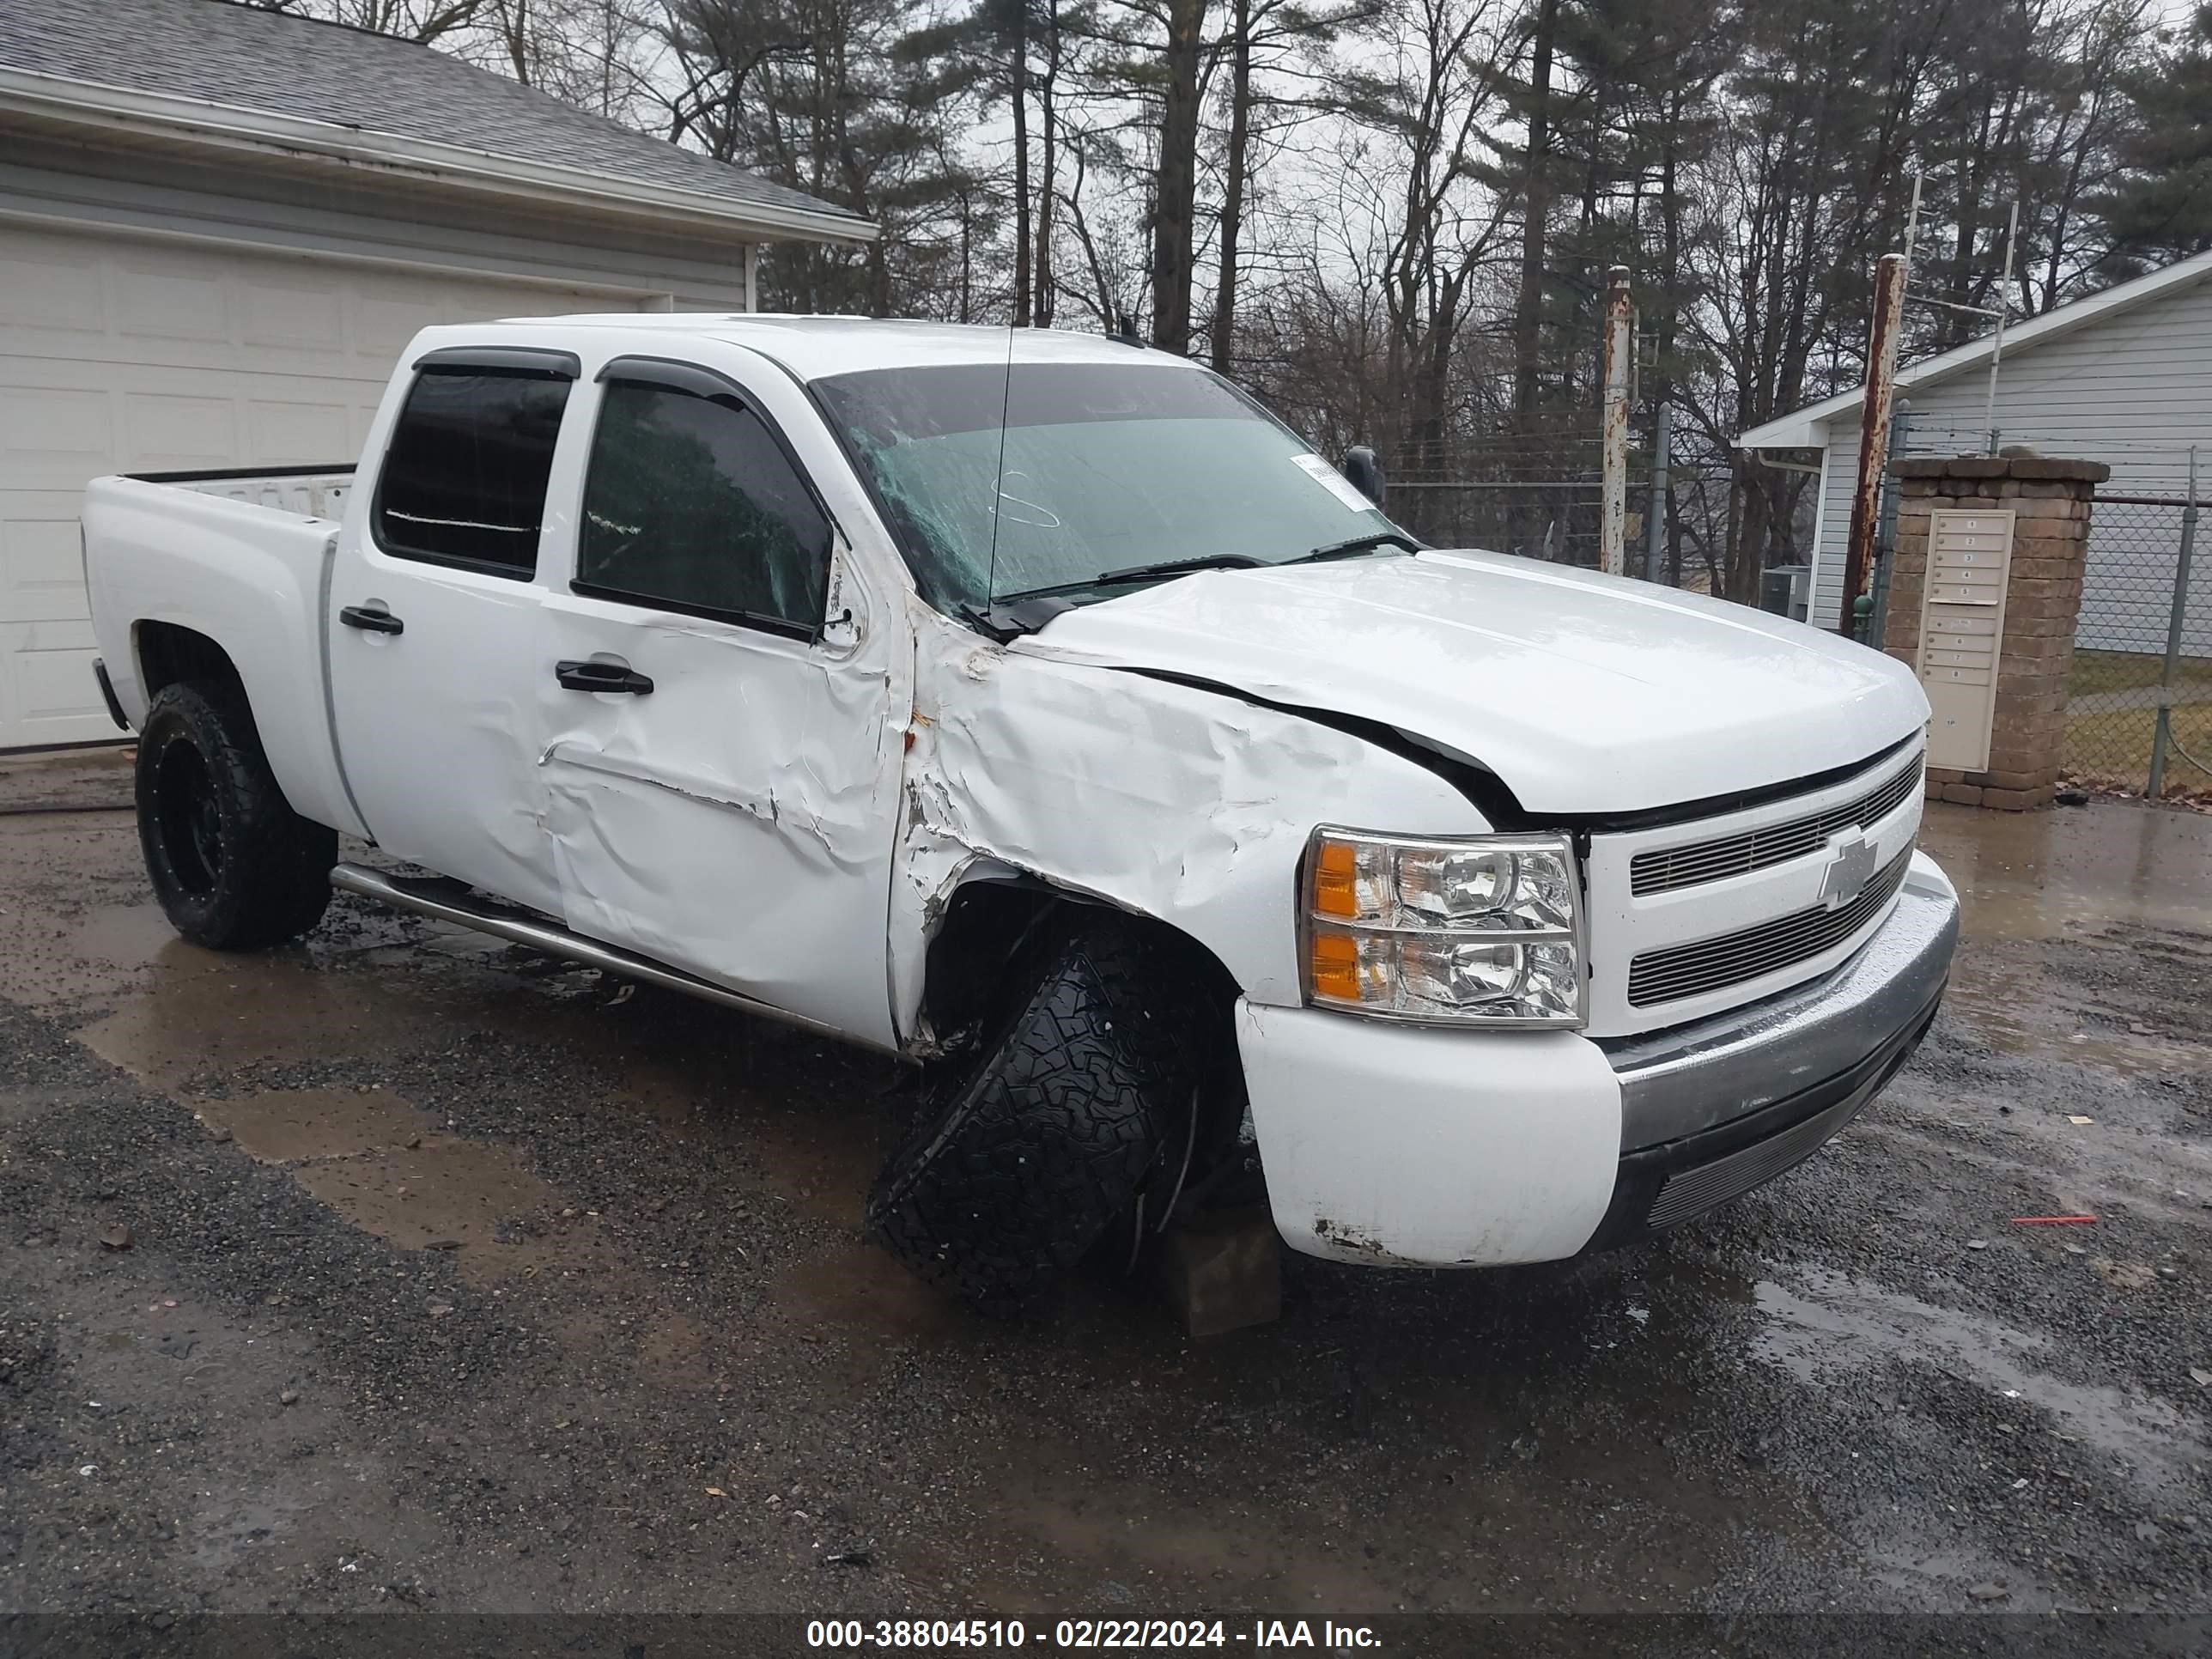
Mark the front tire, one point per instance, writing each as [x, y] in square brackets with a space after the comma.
[1075, 1113]
[235, 867]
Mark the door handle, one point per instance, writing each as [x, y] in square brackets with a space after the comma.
[375, 621]
[602, 676]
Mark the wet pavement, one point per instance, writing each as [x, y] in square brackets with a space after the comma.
[401, 1269]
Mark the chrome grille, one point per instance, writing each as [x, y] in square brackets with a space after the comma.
[1665, 868]
[1711, 964]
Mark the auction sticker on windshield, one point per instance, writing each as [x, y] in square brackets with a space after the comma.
[1331, 480]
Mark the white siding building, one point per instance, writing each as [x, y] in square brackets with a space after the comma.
[219, 226]
[2124, 377]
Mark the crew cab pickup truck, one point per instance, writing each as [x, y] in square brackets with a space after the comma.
[1040, 710]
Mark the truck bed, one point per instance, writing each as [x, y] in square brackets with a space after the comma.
[241, 557]
[315, 492]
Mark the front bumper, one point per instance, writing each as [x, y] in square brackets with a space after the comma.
[1421, 1147]
[1711, 1109]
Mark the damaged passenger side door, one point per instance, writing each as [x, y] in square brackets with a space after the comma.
[720, 763]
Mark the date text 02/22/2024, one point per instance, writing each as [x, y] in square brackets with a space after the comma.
[1086, 1634]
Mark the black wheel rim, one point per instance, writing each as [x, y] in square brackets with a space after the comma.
[191, 825]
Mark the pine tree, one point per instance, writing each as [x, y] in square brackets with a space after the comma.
[2162, 209]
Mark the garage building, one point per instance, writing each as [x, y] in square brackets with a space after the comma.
[218, 226]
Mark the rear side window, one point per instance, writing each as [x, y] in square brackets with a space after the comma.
[464, 479]
[690, 504]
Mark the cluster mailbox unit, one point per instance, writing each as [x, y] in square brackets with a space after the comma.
[1961, 626]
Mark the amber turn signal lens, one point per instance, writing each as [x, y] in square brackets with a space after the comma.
[1335, 966]
[1335, 883]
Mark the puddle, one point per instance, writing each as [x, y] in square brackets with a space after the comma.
[1116, 1535]
[375, 1159]
[174, 1015]
[2017, 1008]
[214, 1013]
[1913, 1567]
[133, 935]
[2042, 875]
[2098, 874]
[226, 1529]
[826, 1174]
[1838, 1324]
[289, 1126]
[860, 1287]
[480, 1201]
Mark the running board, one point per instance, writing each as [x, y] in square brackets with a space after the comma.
[448, 901]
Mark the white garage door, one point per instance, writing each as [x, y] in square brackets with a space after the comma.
[120, 355]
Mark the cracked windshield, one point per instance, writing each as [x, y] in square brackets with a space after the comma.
[1107, 467]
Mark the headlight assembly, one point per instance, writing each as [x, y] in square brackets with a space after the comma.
[1480, 930]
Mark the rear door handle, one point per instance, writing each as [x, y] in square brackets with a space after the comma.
[376, 622]
[602, 676]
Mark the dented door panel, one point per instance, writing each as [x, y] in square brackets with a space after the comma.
[737, 820]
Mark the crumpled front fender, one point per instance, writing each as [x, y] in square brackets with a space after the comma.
[1188, 806]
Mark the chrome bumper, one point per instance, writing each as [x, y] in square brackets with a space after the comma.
[1694, 1078]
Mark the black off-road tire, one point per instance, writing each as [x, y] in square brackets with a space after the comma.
[1075, 1111]
[235, 867]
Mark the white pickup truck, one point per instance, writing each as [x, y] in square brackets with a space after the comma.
[1039, 709]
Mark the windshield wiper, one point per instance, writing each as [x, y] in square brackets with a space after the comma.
[1177, 567]
[1137, 572]
[1367, 544]
[1141, 572]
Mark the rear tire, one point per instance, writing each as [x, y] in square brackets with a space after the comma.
[1075, 1112]
[235, 867]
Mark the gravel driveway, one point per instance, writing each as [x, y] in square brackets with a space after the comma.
[402, 1270]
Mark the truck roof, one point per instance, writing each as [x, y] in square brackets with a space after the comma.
[814, 347]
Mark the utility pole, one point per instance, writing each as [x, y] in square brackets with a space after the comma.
[1655, 520]
[1613, 528]
[1997, 346]
[1874, 433]
[1885, 540]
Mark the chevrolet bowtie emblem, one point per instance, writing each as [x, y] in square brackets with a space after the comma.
[1848, 872]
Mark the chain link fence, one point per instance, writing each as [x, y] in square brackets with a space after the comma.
[1551, 518]
[2133, 608]
[1542, 497]
[2137, 594]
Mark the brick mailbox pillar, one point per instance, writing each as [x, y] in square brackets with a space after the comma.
[2011, 535]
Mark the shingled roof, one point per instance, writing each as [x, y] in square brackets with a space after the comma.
[370, 91]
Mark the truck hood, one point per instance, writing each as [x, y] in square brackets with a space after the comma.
[1584, 693]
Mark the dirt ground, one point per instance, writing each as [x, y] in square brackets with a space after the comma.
[402, 1270]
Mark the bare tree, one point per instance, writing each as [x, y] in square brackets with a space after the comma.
[424, 21]
[1262, 38]
[1396, 228]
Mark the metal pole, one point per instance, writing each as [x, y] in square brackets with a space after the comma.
[1874, 431]
[2174, 623]
[1613, 526]
[1655, 520]
[1996, 348]
[1900, 427]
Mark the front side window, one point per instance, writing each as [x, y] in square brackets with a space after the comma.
[690, 504]
[464, 478]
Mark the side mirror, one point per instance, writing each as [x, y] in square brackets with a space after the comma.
[1364, 472]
